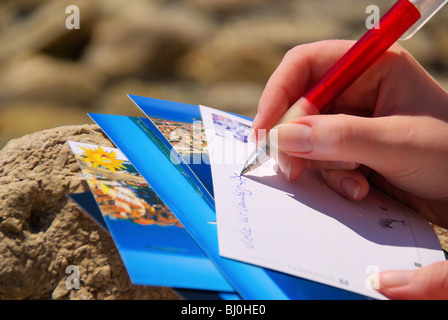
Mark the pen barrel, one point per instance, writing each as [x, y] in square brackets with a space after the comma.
[364, 53]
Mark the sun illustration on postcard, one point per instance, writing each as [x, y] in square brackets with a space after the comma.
[100, 157]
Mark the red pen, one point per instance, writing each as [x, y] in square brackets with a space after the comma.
[405, 16]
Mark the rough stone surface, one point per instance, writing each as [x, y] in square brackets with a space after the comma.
[443, 236]
[42, 231]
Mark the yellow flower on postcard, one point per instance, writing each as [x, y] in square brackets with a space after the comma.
[100, 157]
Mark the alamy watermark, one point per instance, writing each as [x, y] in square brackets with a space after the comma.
[73, 20]
[373, 20]
[196, 145]
[72, 281]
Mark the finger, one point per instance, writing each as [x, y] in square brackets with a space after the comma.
[300, 108]
[291, 167]
[428, 283]
[300, 67]
[434, 211]
[393, 145]
[406, 150]
[349, 183]
[328, 165]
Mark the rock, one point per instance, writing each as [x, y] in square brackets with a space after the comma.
[145, 38]
[42, 232]
[115, 100]
[40, 77]
[44, 27]
[227, 6]
[20, 117]
[439, 47]
[249, 48]
[239, 97]
[231, 58]
[443, 236]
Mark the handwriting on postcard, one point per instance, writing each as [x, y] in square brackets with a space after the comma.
[241, 193]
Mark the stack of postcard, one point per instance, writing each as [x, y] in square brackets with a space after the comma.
[172, 198]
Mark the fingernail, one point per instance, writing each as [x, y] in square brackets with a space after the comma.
[252, 136]
[392, 279]
[374, 281]
[284, 162]
[351, 187]
[288, 171]
[294, 137]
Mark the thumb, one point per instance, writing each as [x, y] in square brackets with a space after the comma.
[427, 283]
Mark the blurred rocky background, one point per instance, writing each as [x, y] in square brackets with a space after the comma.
[214, 52]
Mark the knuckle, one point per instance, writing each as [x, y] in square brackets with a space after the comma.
[293, 53]
[338, 135]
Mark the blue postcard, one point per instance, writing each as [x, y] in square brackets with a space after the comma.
[155, 247]
[181, 177]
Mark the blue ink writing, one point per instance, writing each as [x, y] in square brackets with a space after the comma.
[242, 216]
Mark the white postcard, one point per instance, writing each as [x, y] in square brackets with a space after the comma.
[304, 228]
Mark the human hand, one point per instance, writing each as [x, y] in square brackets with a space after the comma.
[389, 128]
[427, 283]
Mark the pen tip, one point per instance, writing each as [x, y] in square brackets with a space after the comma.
[244, 172]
